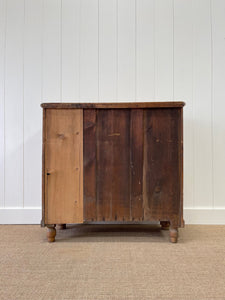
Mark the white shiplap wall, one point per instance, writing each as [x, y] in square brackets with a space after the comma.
[112, 50]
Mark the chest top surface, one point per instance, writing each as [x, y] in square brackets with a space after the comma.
[109, 105]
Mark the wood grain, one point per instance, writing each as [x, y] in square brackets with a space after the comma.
[105, 161]
[43, 166]
[115, 105]
[64, 166]
[120, 139]
[136, 164]
[125, 164]
[113, 164]
[161, 165]
[90, 205]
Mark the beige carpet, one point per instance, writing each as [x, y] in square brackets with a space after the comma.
[113, 262]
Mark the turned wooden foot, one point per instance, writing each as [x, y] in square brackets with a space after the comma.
[51, 233]
[61, 226]
[173, 235]
[165, 225]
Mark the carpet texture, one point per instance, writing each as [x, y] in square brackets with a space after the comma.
[112, 262]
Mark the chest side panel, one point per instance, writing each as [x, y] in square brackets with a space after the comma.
[161, 176]
[64, 166]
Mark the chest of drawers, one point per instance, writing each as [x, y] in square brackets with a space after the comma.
[112, 162]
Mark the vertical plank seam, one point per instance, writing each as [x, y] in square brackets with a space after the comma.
[117, 48]
[79, 50]
[82, 165]
[81, 187]
[43, 117]
[96, 168]
[4, 110]
[96, 165]
[135, 51]
[23, 60]
[212, 105]
[112, 165]
[193, 96]
[130, 160]
[61, 16]
[143, 163]
[154, 48]
[42, 48]
[98, 52]
[143, 133]
[173, 47]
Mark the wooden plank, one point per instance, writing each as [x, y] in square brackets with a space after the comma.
[104, 164]
[136, 163]
[120, 136]
[64, 166]
[114, 105]
[70, 50]
[90, 203]
[14, 104]
[126, 50]
[2, 99]
[161, 185]
[202, 91]
[32, 90]
[89, 50]
[183, 86]
[51, 50]
[107, 50]
[145, 50]
[218, 96]
[164, 49]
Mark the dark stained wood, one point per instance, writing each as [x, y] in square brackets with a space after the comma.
[161, 165]
[180, 167]
[130, 162]
[128, 105]
[113, 183]
[90, 149]
[120, 137]
[61, 226]
[165, 225]
[104, 176]
[136, 164]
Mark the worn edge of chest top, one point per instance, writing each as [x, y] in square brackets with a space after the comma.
[75, 186]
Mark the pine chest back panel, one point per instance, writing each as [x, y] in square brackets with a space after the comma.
[113, 162]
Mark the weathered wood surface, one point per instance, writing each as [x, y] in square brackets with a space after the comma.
[63, 166]
[115, 105]
[136, 163]
[89, 161]
[121, 168]
[133, 170]
[161, 165]
[113, 162]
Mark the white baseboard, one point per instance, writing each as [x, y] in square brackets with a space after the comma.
[19, 215]
[32, 215]
[211, 216]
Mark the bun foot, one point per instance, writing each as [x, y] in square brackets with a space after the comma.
[173, 235]
[165, 225]
[51, 233]
[61, 226]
